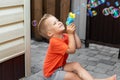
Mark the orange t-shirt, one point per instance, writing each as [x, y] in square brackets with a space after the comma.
[56, 55]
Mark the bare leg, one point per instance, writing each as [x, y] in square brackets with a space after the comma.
[82, 73]
[71, 76]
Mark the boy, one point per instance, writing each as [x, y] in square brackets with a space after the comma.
[60, 45]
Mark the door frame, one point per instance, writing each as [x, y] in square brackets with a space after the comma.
[27, 37]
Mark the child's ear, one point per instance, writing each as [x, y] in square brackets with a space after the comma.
[50, 34]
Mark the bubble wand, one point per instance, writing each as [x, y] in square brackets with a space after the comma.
[70, 18]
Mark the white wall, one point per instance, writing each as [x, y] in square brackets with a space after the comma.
[15, 30]
[80, 20]
[12, 26]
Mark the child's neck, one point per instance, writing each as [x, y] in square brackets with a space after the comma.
[58, 36]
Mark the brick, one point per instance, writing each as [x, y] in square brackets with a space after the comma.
[100, 70]
[90, 68]
[108, 62]
[104, 66]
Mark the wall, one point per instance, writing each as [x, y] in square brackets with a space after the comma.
[15, 30]
[79, 6]
[11, 29]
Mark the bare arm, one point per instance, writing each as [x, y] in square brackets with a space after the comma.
[71, 44]
[77, 41]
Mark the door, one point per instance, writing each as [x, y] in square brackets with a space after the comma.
[104, 27]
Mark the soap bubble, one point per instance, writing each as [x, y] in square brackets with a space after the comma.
[116, 13]
[83, 5]
[90, 13]
[117, 3]
[88, 6]
[105, 11]
[108, 3]
[94, 5]
[102, 1]
[111, 9]
[34, 23]
[94, 13]
[78, 12]
[92, 1]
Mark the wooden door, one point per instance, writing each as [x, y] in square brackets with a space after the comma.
[104, 29]
[58, 8]
[36, 14]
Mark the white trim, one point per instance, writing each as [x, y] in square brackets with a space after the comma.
[12, 56]
[27, 37]
[8, 3]
[80, 21]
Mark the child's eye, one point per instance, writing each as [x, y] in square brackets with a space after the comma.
[57, 20]
[54, 23]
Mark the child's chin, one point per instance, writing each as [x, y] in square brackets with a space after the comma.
[62, 31]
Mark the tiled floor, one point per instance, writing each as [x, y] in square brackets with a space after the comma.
[100, 61]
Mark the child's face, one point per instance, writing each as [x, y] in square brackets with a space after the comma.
[54, 25]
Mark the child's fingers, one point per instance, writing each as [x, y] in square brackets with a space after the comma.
[73, 26]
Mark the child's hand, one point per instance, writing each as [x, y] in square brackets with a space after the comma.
[71, 28]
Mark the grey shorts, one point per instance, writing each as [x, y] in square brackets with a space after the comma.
[57, 75]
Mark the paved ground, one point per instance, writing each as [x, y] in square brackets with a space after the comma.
[100, 61]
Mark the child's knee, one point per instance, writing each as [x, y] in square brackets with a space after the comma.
[71, 76]
[76, 65]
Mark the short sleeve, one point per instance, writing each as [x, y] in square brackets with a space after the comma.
[58, 46]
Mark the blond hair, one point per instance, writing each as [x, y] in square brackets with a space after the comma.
[42, 28]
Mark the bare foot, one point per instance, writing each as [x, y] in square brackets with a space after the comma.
[112, 78]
